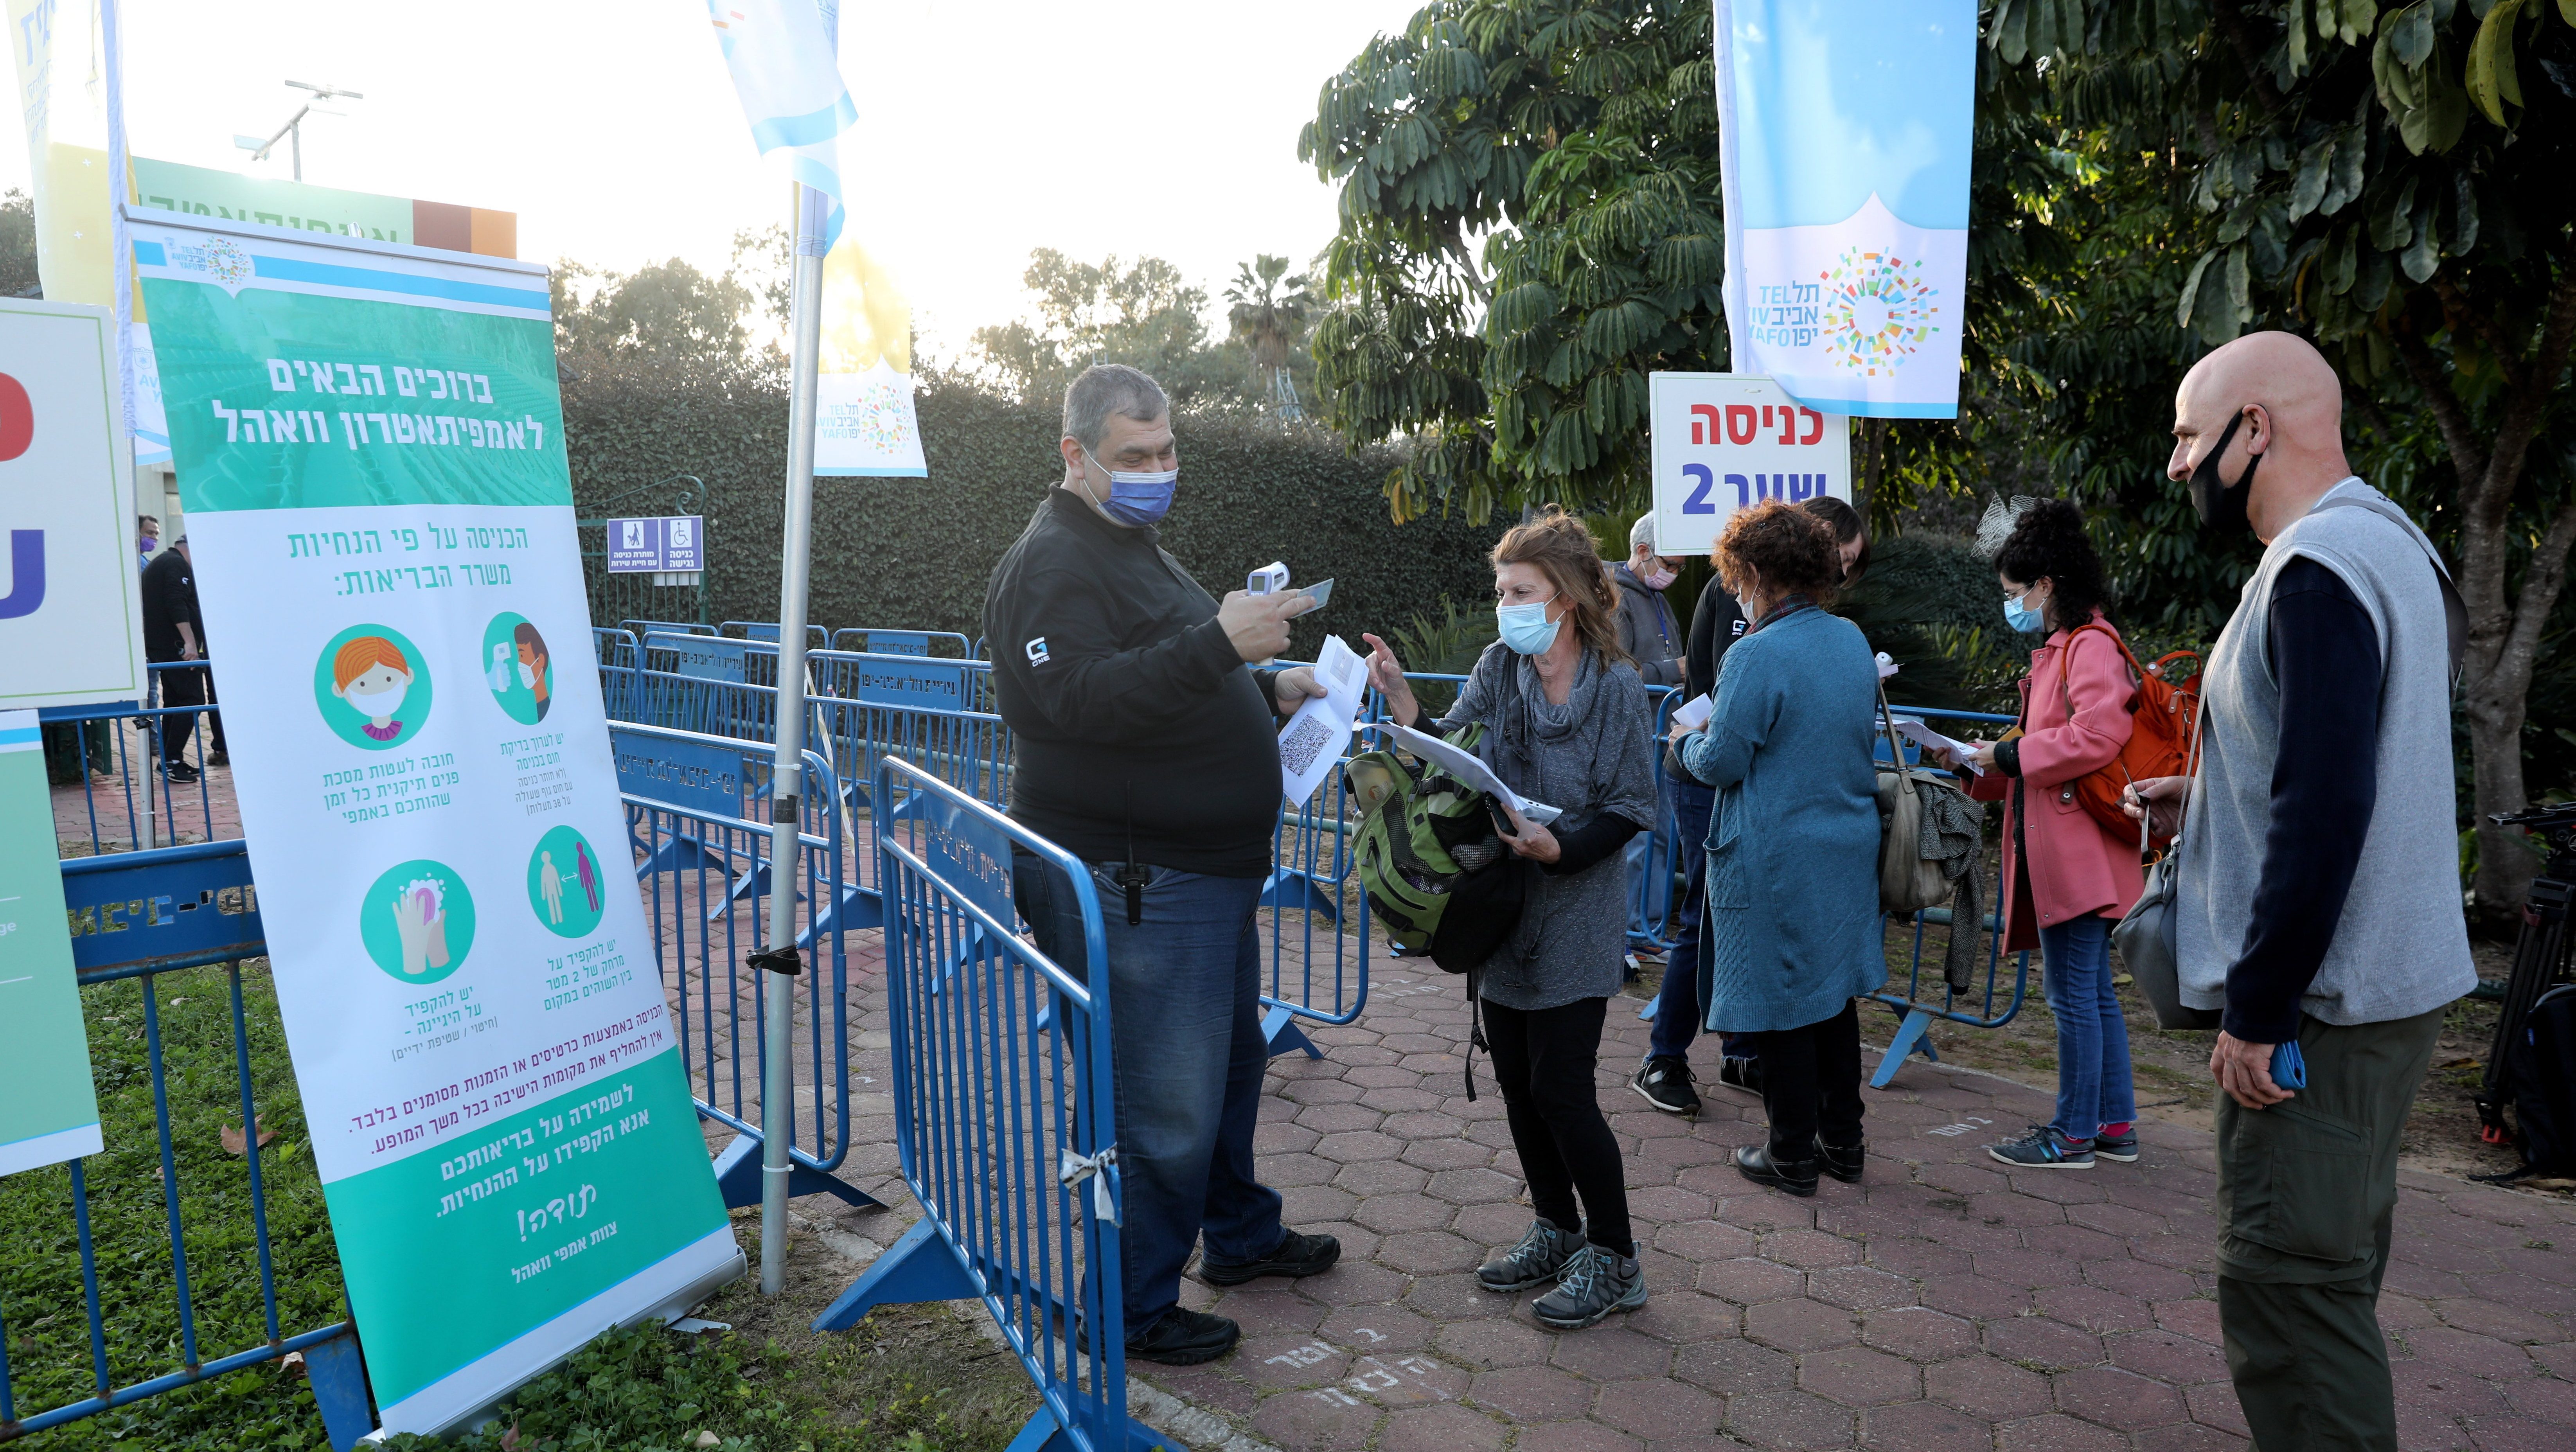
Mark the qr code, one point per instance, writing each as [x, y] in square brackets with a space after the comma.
[1305, 737]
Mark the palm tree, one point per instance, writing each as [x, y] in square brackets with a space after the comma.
[1269, 321]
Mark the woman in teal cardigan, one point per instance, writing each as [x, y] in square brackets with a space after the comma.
[1792, 925]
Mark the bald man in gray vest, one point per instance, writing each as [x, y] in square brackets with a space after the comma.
[2319, 881]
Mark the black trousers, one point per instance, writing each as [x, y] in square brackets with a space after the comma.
[1546, 1061]
[188, 688]
[1811, 1084]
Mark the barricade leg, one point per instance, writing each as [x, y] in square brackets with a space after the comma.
[738, 1178]
[339, 1381]
[1909, 1039]
[1279, 1026]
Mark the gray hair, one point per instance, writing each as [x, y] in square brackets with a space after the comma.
[1107, 388]
[1641, 535]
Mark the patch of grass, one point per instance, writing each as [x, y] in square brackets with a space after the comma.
[909, 1379]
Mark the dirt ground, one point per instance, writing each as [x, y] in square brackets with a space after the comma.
[2172, 1067]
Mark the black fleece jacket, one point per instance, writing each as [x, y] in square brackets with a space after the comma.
[1132, 712]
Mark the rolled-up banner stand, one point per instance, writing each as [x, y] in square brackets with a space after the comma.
[369, 444]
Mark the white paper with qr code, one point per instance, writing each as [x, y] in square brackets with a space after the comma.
[1310, 745]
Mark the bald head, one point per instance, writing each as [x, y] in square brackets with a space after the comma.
[2291, 405]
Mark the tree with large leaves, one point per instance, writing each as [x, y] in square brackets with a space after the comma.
[2394, 182]
[1530, 225]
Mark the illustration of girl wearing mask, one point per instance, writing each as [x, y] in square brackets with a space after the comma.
[371, 674]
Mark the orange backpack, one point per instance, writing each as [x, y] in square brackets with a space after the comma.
[2164, 716]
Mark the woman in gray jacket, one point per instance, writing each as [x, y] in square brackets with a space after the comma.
[1792, 922]
[1566, 724]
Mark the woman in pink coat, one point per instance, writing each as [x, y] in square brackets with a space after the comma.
[2067, 880]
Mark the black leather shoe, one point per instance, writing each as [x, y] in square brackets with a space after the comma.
[1183, 1337]
[1843, 1164]
[1180, 1337]
[1294, 1255]
[1798, 1177]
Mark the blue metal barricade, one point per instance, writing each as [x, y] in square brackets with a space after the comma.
[705, 872]
[135, 792]
[1005, 1112]
[816, 637]
[199, 1280]
[862, 640]
[1986, 1002]
[641, 628]
[620, 659]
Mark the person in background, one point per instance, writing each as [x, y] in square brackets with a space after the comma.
[2319, 890]
[1565, 723]
[1646, 627]
[1792, 922]
[1664, 1079]
[2067, 879]
[1147, 748]
[174, 631]
[1654, 643]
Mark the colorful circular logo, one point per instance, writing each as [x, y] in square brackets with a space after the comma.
[567, 883]
[519, 667]
[372, 687]
[418, 921]
[1878, 310]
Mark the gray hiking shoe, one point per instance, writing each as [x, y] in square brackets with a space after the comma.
[1542, 1256]
[1596, 1283]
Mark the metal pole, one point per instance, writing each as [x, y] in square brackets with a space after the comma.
[296, 132]
[777, 1094]
[120, 247]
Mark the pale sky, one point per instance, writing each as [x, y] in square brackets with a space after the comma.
[1163, 127]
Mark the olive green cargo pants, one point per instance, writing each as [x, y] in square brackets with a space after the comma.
[2306, 1193]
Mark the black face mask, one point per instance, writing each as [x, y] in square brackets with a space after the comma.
[2221, 507]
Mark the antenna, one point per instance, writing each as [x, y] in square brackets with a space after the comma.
[293, 131]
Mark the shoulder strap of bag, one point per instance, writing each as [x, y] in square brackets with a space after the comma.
[2066, 664]
[2455, 611]
[1887, 724]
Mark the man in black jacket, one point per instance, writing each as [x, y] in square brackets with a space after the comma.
[1147, 748]
[174, 631]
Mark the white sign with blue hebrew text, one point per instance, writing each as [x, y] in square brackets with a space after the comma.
[1845, 128]
[1723, 442]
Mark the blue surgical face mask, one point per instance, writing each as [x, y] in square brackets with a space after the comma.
[2020, 616]
[1137, 499]
[1526, 628]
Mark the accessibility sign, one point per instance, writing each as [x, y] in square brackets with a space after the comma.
[669, 544]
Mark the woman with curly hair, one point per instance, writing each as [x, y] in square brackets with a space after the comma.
[1791, 922]
[1565, 723]
[2067, 878]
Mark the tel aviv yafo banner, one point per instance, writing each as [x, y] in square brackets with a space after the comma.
[1845, 133]
[369, 446]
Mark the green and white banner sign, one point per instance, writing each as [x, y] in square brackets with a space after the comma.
[48, 1109]
[369, 444]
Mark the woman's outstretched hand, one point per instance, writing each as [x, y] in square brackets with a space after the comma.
[1386, 673]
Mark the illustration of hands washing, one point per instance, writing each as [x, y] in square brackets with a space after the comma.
[420, 917]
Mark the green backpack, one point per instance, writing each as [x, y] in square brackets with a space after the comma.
[1425, 842]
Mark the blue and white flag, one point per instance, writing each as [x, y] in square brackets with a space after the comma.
[784, 65]
[1845, 133]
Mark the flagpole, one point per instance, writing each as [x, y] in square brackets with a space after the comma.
[120, 239]
[777, 1094]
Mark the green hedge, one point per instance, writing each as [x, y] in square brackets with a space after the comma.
[917, 552]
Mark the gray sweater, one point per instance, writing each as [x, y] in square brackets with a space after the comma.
[2400, 945]
[1592, 756]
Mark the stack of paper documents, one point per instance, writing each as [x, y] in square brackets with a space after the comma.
[1913, 729]
[1464, 766]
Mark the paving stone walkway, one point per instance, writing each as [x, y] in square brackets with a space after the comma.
[1944, 1304]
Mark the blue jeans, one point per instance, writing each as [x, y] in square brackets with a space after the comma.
[1677, 1003]
[2093, 1084]
[1185, 1039]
